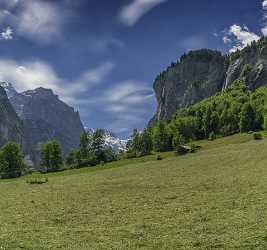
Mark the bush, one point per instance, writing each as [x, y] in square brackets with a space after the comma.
[159, 158]
[193, 148]
[131, 155]
[257, 136]
[182, 150]
[37, 180]
[212, 136]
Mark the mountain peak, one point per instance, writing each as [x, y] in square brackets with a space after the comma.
[8, 87]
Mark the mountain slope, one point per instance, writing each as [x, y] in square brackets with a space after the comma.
[46, 117]
[11, 128]
[203, 73]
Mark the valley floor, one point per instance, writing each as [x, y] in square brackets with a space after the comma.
[213, 199]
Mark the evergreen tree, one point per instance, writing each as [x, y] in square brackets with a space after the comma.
[161, 139]
[247, 118]
[146, 143]
[207, 121]
[84, 144]
[265, 118]
[12, 162]
[98, 144]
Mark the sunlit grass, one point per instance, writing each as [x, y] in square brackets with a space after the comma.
[213, 199]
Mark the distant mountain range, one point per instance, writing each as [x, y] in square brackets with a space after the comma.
[35, 116]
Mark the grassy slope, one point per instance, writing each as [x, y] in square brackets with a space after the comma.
[214, 199]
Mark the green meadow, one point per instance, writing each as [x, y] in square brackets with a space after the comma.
[213, 199]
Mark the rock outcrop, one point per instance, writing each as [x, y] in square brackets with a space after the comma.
[203, 73]
[11, 127]
[45, 117]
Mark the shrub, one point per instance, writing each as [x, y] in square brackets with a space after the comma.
[159, 158]
[212, 136]
[131, 155]
[182, 150]
[193, 148]
[257, 136]
[37, 180]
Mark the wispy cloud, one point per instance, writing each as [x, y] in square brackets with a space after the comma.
[132, 13]
[25, 75]
[239, 37]
[128, 103]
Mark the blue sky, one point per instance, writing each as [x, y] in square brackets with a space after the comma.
[102, 56]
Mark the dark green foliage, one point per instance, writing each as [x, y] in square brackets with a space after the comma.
[234, 110]
[71, 158]
[162, 141]
[12, 162]
[51, 156]
[257, 136]
[92, 151]
[36, 180]
[182, 150]
[212, 136]
[98, 144]
[85, 140]
[159, 158]
[140, 144]
[247, 118]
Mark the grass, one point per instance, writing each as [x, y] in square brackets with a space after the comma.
[213, 199]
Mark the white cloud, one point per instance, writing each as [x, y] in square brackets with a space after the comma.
[33, 74]
[7, 34]
[38, 20]
[132, 13]
[126, 102]
[240, 37]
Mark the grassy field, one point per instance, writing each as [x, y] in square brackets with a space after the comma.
[213, 199]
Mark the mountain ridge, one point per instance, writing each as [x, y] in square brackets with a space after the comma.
[203, 73]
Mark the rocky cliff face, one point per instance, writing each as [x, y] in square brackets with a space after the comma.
[11, 128]
[203, 73]
[46, 117]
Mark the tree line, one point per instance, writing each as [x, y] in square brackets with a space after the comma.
[91, 152]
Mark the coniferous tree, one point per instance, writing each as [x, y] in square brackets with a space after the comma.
[247, 118]
[161, 139]
[146, 143]
[98, 144]
[84, 144]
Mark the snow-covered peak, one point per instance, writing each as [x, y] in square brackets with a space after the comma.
[10, 91]
[114, 142]
[111, 140]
